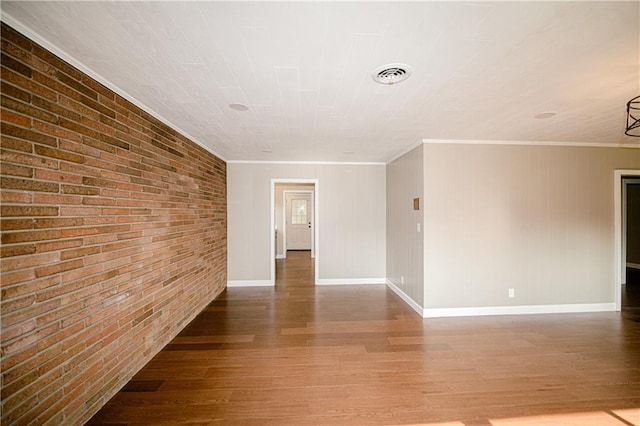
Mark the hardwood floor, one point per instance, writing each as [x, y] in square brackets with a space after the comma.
[357, 355]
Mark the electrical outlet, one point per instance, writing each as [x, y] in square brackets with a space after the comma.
[418, 227]
[512, 292]
[402, 279]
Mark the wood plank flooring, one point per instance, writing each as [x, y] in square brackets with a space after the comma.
[357, 355]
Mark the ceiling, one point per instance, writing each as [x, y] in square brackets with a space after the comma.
[481, 71]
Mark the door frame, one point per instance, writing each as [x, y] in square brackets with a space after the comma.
[309, 192]
[619, 231]
[316, 224]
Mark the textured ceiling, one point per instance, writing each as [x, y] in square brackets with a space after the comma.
[481, 71]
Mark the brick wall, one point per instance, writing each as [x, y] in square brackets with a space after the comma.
[113, 237]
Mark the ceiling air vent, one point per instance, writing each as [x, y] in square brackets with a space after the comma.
[391, 74]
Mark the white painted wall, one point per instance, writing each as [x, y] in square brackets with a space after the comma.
[538, 219]
[352, 239]
[404, 243]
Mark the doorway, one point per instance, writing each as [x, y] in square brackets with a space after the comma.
[631, 243]
[295, 222]
[626, 183]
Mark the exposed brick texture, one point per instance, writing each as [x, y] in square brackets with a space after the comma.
[113, 237]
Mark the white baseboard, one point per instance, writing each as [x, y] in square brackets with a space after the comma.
[409, 301]
[500, 310]
[518, 310]
[250, 283]
[633, 265]
[281, 256]
[345, 281]
[349, 281]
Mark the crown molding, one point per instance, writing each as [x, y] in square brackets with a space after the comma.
[320, 163]
[531, 143]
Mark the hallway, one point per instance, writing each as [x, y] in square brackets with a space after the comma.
[298, 354]
[296, 270]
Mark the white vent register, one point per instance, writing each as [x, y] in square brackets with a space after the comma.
[391, 74]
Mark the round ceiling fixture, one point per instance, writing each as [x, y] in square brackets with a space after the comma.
[391, 74]
[238, 107]
[546, 114]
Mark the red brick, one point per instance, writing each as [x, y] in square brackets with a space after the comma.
[58, 335]
[17, 119]
[28, 340]
[98, 144]
[9, 306]
[56, 62]
[42, 66]
[33, 286]
[55, 85]
[57, 245]
[17, 330]
[109, 121]
[84, 130]
[86, 252]
[93, 104]
[58, 268]
[93, 201]
[51, 413]
[26, 262]
[28, 185]
[21, 54]
[20, 85]
[56, 131]
[76, 85]
[82, 273]
[30, 417]
[55, 355]
[26, 236]
[26, 109]
[57, 176]
[17, 66]
[14, 170]
[84, 150]
[26, 159]
[12, 144]
[19, 250]
[57, 222]
[16, 224]
[9, 278]
[80, 190]
[13, 36]
[100, 239]
[58, 109]
[28, 135]
[73, 104]
[17, 211]
[106, 95]
[55, 415]
[12, 417]
[10, 197]
[81, 252]
[44, 198]
[59, 154]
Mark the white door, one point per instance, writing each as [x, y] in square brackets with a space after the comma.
[298, 221]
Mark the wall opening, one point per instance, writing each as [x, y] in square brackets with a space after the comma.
[630, 300]
[278, 209]
[620, 254]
